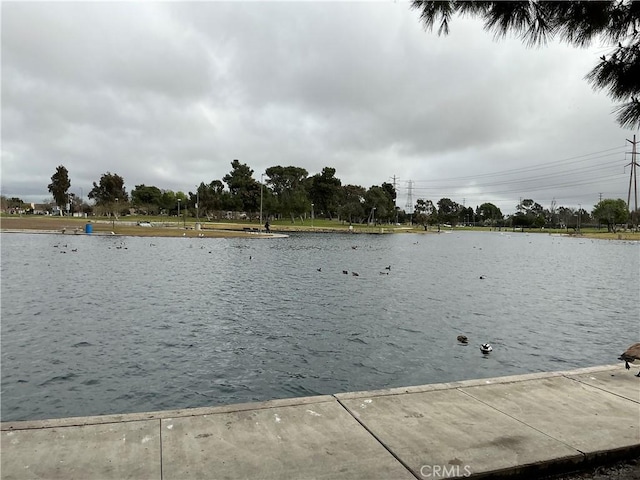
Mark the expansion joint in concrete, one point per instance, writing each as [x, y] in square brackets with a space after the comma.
[377, 438]
[161, 449]
[637, 400]
[519, 420]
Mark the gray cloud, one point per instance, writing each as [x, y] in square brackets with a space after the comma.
[168, 94]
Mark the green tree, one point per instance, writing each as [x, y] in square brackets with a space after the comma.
[488, 214]
[212, 198]
[466, 215]
[448, 211]
[110, 194]
[147, 198]
[243, 188]
[529, 208]
[529, 214]
[352, 203]
[14, 203]
[578, 23]
[288, 186]
[390, 191]
[324, 192]
[533, 213]
[521, 220]
[424, 211]
[539, 221]
[612, 212]
[110, 188]
[59, 187]
[566, 217]
[381, 198]
[168, 202]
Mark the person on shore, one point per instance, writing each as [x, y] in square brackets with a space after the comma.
[266, 227]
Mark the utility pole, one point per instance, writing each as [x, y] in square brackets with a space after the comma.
[261, 177]
[579, 216]
[395, 189]
[633, 178]
[197, 205]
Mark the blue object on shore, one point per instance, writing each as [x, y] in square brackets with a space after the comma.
[88, 229]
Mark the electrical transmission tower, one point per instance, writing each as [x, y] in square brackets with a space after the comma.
[409, 205]
[633, 178]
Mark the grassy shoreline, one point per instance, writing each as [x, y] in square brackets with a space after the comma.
[174, 228]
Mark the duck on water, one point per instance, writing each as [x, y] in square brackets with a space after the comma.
[486, 348]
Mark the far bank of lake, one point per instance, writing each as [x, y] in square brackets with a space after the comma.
[173, 227]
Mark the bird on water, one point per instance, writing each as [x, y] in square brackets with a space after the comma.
[463, 339]
[631, 355]
[486, 348]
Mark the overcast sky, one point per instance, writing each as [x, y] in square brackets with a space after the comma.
[168, 94]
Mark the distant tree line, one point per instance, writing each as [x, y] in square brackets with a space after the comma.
[290, 193]
[282, 192]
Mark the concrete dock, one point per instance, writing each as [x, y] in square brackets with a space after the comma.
[527, 424]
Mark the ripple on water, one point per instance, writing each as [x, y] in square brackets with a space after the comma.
[126, 335]
[69, 377]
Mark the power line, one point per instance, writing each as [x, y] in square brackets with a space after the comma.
[517, 171]
[553, 175]
[581, 172]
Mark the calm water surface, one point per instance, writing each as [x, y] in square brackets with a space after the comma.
[128, 324]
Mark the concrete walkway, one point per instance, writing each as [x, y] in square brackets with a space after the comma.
[526, 424]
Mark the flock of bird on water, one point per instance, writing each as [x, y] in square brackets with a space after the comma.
[629, 356]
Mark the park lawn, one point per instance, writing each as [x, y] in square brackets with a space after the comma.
[72, 225]
[172, 227]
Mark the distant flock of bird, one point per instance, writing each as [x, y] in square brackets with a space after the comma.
[356, 274]
[64, 246]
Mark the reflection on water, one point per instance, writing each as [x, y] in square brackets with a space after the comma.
[131, 324]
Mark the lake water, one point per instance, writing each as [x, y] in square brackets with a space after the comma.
[127, 324]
